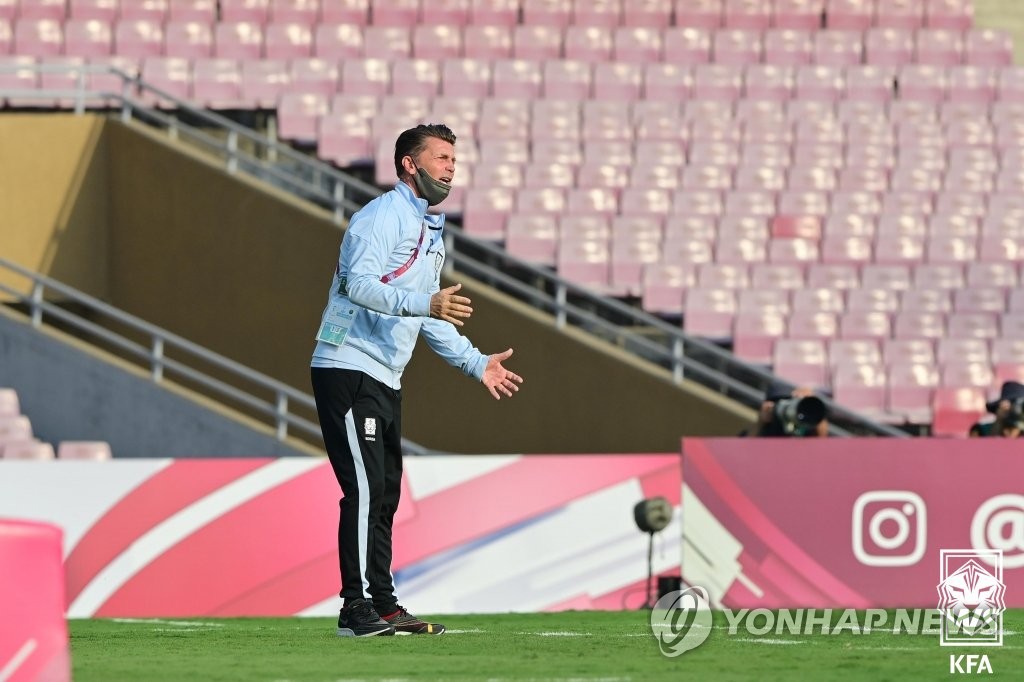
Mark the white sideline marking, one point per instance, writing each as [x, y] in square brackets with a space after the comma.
[464, 632]
[559, 633]
[161, 621]
[19, 657]
[759, 640]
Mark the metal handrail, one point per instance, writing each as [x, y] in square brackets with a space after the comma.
[278, 410]
[343, 194]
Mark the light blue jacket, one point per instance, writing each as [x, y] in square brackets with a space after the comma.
[381, 238]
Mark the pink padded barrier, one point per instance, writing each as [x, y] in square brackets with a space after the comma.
[33, 634]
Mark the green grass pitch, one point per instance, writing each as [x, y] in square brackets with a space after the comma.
[606, 646]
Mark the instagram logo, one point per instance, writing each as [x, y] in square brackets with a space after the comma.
[889, 528]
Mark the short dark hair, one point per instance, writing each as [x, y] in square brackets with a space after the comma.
[414, 140]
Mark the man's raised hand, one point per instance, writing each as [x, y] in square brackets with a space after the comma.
[445, 305]
[497, 378]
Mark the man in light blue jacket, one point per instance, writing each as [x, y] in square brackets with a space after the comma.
[385, 292]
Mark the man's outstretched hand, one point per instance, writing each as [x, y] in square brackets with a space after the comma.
[497, 378]
[445, 305]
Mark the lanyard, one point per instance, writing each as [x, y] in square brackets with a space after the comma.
[408, 264]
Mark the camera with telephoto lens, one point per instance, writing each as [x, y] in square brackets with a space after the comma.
[798, 416]
[1015, 417]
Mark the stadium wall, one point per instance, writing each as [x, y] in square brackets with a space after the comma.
[243, 268]
[71, 391]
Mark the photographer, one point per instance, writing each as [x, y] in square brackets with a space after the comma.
[789, 413]
[1009, 412]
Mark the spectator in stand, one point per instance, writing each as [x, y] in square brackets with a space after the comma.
[1008, 409]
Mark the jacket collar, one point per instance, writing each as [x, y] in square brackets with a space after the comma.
[419, 207]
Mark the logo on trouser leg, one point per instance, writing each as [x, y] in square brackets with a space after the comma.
[370, 429]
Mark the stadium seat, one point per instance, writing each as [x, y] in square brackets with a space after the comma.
[248, 11]
[436, 42]
[955, 410]
[706, 14]
[953, 15]
[30, 449]
[495, 12]
[803, 362]
[155, 11]
[38, 38]
[303, 12]
[800, 15]
[901, 14]
[298, 116]
[172, 75]
[387, 42]
[988, 47]
[910, 390]
[217, 83]
[534, 238]
[87, 38]
[709, 312]
[264, 81]
[664, 287]
[189, 39]
[204, 11]
[558, 13]
[788, 47]
[84, 450]
[344, 139]
[585, 262]
[855, 15]
[338, 41]
[755, 333]
[536, 43]
[96, 10]
[861, 388]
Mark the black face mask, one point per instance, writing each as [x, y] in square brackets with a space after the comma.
[434, 191]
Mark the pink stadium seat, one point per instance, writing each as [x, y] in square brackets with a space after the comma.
[846, 250]
[709, 312]
[498, 175]
[466, 78]
[717, 82]
[66, 78]
[204, 11]
[585, 262]
[838, 48]
[84, 450]
[910, 391]
[973, 325]
[979, 300]
[254, 11]
[217, 84]
[547, 12]
[144, 10]
[588, 43]
[938, 47]
[537, 43]
[437, 42]
[618, 82]
[344, 139]
[988, 47]
[564, 79]
[788, 47]
[922, 83]
[26, 450]
[904, 352]
[347, 11]
[1007, 351]
[39, 10]
[451, 13]
[495, 12]
[298, 116]
[338, 41]
[189, 39]
[533, 238]
[755, 334]
[820, 83]
[629, 256]
[888, 47]
[812, 325]
[818, 301]
[804, 362]
[839, 276]
[487, 42]
[955, 15]
[967, 374]
[865, 324]
[902, 14]
[387, 42]
[287, 41]
[769, 82]
[365, 77]
[415, 77]
[880, 282]
[1001, 275]
[637, 44]
[861, 388]
[486, 212]
[305, 12]
[733, 276]
[801, 15]
[264, 81]
[664, 287]
[856, 15]
[238, 40]
[962, 351]
[99, 10]
[395, 13]
[517, 79]
[698, 13]
[6, 36]
[316, 76]
[87, 38]
[172, 75]
[38, 38]
[972, 84]
[956, 409]
[737, 47]
[755, 15]
[105, 80]
[602, 13]
[758, 301]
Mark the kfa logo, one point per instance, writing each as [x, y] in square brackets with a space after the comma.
[370, 428]
[972, 601]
